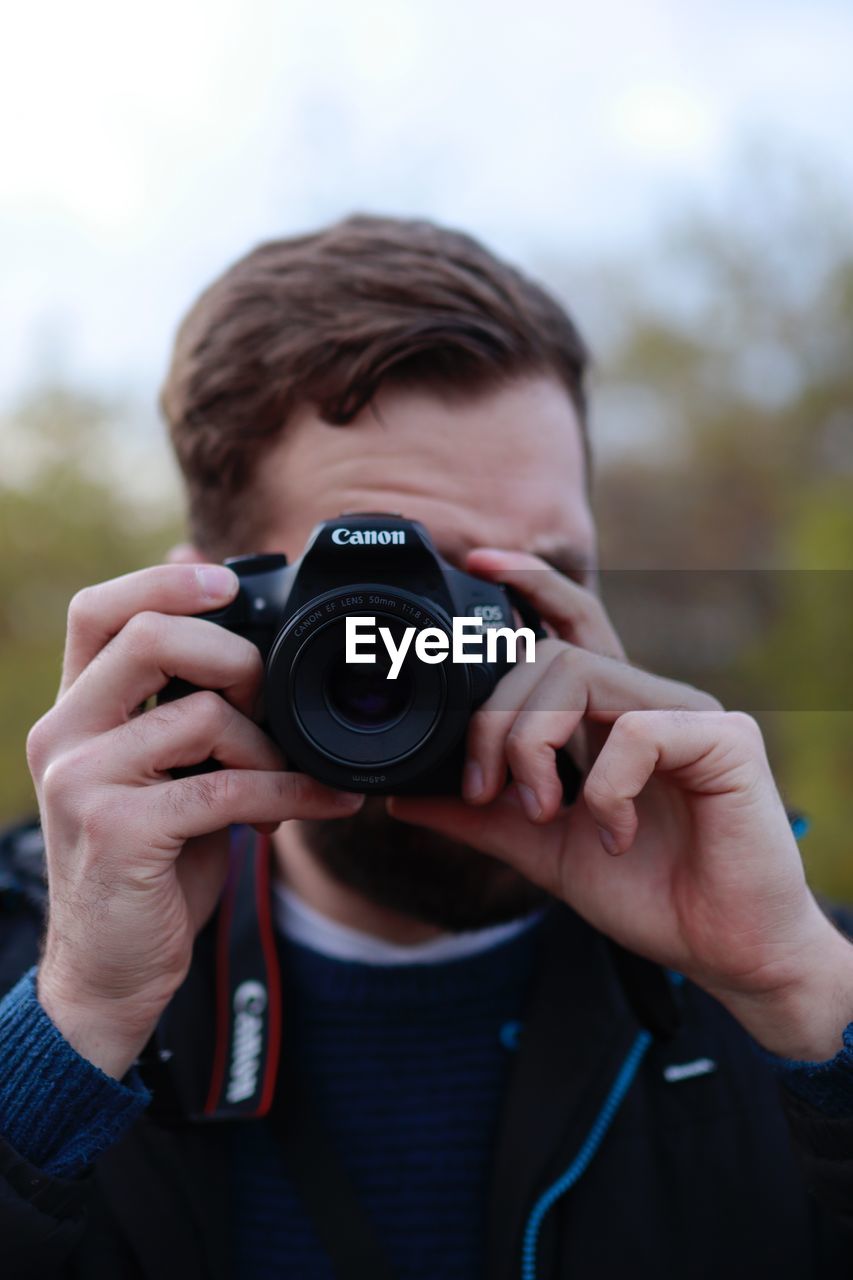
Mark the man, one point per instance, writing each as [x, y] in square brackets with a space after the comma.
[493, 1035]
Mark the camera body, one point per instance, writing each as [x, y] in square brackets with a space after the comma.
[348, 725]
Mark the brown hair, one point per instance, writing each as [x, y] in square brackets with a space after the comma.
[323, 319]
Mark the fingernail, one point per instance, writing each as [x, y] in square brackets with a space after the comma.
[217, 582]
[472, 780]
[529, 802]
[608, 844]
[349, 799]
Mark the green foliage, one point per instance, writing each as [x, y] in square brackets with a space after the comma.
[815, 746]
[65, 523]
[753, 469]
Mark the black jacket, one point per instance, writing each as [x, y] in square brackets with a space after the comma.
[700, 1176]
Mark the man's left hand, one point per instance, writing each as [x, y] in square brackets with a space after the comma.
[678, 846]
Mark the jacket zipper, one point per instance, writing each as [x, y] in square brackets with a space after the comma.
[587, 1150]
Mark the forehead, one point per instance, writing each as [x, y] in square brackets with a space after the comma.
[504, 468]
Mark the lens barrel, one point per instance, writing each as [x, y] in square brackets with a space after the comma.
[349, 724]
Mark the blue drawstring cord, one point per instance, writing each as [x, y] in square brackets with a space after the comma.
[591, 1143]
[799, 824]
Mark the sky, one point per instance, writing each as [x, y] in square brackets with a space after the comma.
[145, 147]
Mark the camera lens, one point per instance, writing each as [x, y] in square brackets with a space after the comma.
[349, 723]
[353, 712]
[363, 697]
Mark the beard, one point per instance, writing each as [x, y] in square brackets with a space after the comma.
[417, 872]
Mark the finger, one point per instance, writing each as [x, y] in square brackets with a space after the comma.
[542, 727]
[210, 801]
[199, 727]
[575, 686]
[484, 775]
[704, 750]
[147, 653]
[98, 613]
[575, 612]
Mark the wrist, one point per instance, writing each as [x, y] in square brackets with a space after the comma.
[109, 1034]
[804, 1017]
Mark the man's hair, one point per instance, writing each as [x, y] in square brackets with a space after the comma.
[323, 320]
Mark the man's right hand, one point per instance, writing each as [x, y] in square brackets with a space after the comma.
[137, 859]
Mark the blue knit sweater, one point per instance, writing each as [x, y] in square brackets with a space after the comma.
[409, 1063]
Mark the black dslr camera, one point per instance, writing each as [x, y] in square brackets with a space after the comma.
[349, 725]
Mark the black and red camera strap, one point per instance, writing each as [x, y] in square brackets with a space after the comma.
[251, 1078]
[247, 1043]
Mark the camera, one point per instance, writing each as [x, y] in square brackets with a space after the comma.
[348, 724]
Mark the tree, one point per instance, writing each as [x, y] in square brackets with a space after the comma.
[65, 521]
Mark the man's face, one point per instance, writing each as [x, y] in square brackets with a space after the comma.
[502, 469]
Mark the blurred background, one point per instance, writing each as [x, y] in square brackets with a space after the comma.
[680, 175]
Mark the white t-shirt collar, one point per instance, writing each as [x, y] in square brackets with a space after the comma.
[299, 922]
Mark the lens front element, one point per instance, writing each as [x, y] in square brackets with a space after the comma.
[363, 697]
[349, 723]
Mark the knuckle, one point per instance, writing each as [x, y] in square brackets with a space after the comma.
[205, 791]
[682, 717]
[143, 632]
[596, 791]
[515, 757]
[208, 709]
[146, 728]
[53, 781]
[216, 790]
[517, 742]
[211, 790]
[632, 725]
[568, 659]
[743, 725]
[163, 717]
[65, 778]
[162, 720]
[39, 741]
[81, 607]
[522, 746]
[57, 780]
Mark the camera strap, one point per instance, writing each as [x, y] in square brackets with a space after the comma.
[248, 989]
[252, 1078]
